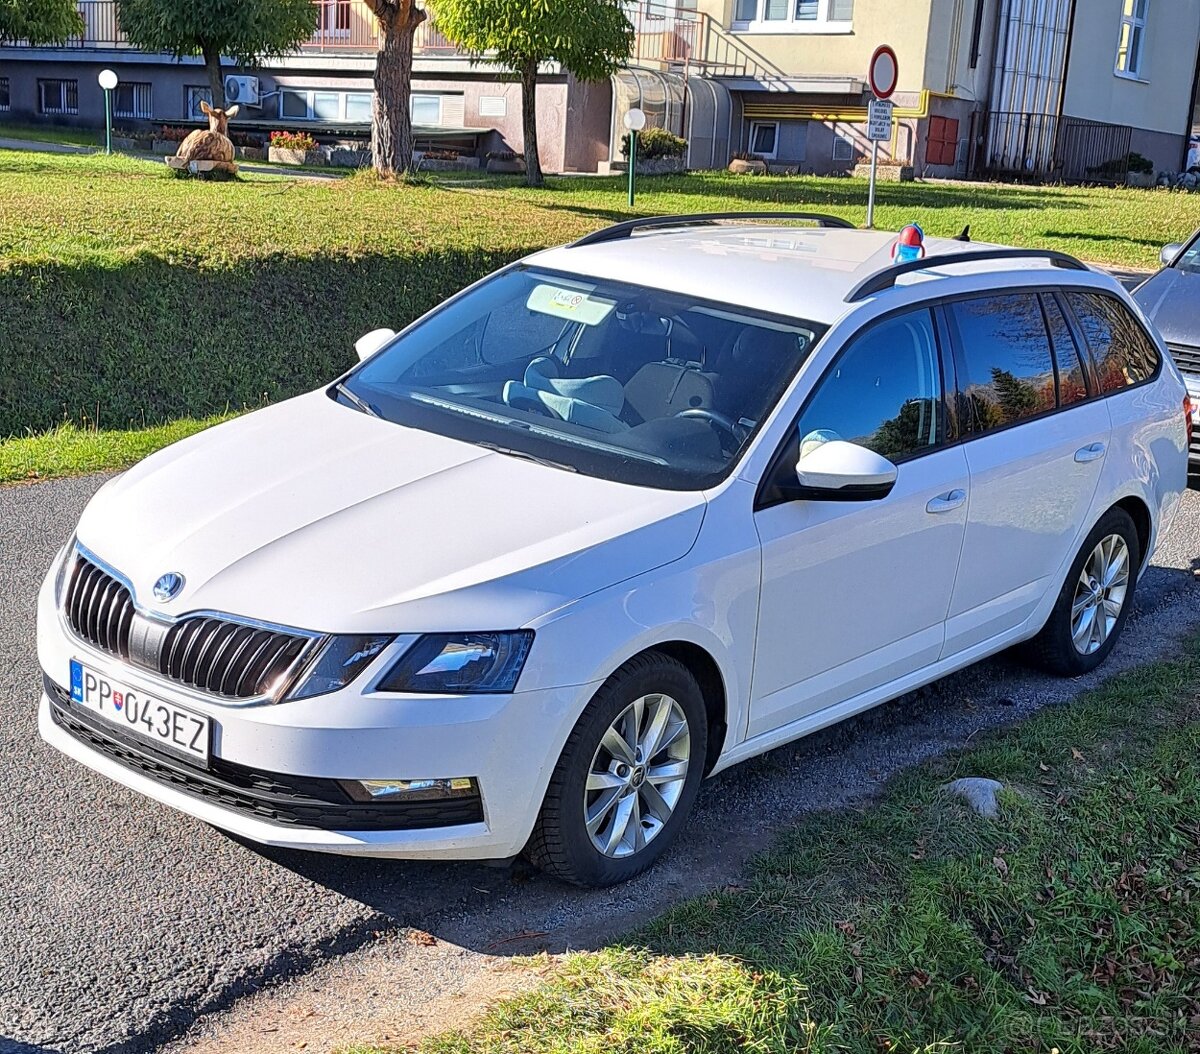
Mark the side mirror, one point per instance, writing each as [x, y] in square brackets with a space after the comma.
[369, 343]
[841, 471]
[1167, 256]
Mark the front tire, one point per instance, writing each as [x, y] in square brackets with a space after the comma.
[627, 777]
[1094, 602]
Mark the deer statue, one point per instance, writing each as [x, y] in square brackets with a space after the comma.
[213, 144]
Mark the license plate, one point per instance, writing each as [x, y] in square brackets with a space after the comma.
[138, 712]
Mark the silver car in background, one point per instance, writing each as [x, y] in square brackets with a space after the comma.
[1172, 300]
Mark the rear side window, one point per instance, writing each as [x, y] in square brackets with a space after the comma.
[1123, 353]
[1007, 369]
[1072, 384]
[884, 392]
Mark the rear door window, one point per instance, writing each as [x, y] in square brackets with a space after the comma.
[1006, 371]
[1072, 382]
[1123, 352]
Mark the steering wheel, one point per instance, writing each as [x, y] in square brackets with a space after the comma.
[719, 421]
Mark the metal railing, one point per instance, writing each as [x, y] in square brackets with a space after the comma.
[664, 36]
[1044, 146]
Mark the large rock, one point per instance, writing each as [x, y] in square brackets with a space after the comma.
[979, 793]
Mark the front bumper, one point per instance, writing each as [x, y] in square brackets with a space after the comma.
[272, 776]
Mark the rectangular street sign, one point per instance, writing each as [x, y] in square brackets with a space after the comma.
[879, 120]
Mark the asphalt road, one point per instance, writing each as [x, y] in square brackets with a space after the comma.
[122, 922]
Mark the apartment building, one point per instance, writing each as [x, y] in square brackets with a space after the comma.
[1061, 89]
[1040, 88]
[325, 86]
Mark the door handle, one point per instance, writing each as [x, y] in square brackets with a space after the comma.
[955, 499]
[1089, 453]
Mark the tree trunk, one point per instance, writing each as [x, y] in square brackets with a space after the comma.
[391, 127]
[533, 163]
[216, 82]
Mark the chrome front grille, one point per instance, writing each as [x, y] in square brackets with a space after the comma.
[227, 658]
[212, 654]
[99, 608]
[1187, 359]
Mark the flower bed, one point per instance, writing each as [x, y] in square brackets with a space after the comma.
[295, 148]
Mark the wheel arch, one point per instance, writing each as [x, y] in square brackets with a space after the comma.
[701, 664]
[1139, 512]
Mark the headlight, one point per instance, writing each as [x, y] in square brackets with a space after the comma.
[460, 664]
[65, 560]
[338, 663]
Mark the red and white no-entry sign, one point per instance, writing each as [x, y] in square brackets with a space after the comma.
[884, 74]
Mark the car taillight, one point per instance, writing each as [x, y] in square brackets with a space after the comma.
[1187, 416]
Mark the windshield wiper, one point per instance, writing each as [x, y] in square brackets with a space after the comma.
[496, 448]
[360, 403]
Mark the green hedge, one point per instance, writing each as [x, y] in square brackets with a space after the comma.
[149, 341]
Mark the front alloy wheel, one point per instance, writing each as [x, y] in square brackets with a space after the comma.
[637, 775]
[627, 777]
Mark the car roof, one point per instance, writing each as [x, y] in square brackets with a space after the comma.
[800, 272]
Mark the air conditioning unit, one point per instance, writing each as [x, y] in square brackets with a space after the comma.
[241, 90]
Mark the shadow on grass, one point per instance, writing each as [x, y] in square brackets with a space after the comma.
[852, 193]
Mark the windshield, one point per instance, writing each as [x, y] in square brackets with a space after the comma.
[1189, 259]
[612, 380]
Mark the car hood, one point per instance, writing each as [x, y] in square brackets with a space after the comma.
[1171, 299]
[313, 515]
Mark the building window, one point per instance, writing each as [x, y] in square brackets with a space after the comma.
[977, 34]
[132, 100]
[55, 96]
[426, 109]
[493, 106]
[299, 104]
[843, 147]
[195, 96]
[1132, 38]
[764, 138]
[4, 100]
[798, 15]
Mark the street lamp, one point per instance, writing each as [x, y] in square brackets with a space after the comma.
[635, 121]
[108, 81]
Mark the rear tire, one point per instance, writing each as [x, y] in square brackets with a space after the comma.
[627, 777]
[1093, 604]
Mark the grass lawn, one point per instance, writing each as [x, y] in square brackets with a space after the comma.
[70, 451]
[1070, 923]
[41, 133]
[130, 295]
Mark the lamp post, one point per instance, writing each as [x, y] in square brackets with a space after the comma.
[108, 81]
[635, 121]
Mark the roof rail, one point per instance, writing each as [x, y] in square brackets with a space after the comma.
[886, 278]
[624, 230]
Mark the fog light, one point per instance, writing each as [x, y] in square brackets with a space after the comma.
[411, 790]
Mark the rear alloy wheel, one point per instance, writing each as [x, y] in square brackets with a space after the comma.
[1094, 602]
[627, 777]
[1100, 594]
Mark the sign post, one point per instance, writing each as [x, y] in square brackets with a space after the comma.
[883, 75]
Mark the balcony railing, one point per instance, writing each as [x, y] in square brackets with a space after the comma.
[664, 36]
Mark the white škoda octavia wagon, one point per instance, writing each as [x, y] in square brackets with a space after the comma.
[614, 518]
